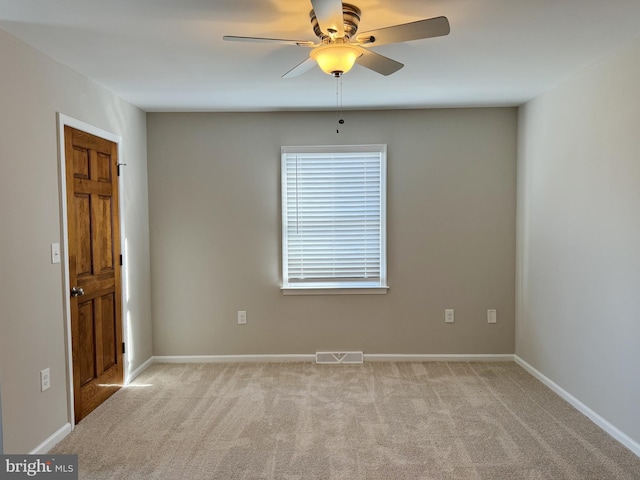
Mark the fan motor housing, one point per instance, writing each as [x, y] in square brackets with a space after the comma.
[351, 15]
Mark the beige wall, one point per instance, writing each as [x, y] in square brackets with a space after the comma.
[215, 234]
[32, 335]
[578, 286]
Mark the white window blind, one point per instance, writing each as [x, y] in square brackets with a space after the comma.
[333, 216]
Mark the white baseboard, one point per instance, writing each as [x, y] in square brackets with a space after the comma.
[139, 370]
[370, 357]
[612, 430]
[52, 441]
[437, 357]
[233, 358]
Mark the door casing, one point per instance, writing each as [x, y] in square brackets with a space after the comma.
[64, 120]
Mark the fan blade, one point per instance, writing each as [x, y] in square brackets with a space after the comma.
[301, 68]
[431, 27]
[378, 63]
[299, 43]
[329, 15]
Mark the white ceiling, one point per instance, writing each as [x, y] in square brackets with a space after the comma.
[168, 55]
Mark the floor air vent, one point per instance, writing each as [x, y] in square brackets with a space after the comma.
[339, 357]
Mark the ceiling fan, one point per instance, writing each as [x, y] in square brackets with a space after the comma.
[336, 25]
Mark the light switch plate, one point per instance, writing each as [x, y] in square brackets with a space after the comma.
[55, 253]
[492, 316]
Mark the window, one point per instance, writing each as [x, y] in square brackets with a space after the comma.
[333, 219]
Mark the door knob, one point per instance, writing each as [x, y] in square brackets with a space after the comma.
[77, 291]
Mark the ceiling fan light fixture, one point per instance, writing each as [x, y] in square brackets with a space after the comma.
[335, 59]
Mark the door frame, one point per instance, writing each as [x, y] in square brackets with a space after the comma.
[62, 121]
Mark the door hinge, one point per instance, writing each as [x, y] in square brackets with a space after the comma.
[123, 348]
[120, 260]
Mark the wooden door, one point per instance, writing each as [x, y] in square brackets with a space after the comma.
[94, 268]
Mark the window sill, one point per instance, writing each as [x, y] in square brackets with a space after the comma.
[334, 291]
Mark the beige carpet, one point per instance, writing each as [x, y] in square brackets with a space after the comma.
[441, 420]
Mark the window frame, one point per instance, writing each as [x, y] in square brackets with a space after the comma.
[328, 287]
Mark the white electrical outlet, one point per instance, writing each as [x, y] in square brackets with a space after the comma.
[448, 315]
[45, 380]
[492, 316]
[242, 317]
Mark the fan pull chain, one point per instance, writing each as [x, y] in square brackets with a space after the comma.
[339, 102]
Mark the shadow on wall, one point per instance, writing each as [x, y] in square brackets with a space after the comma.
[1, 447]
